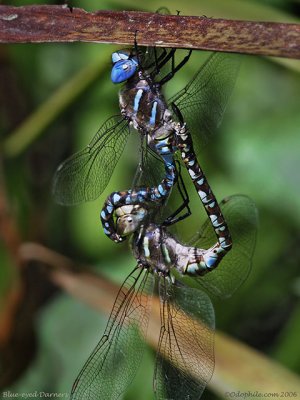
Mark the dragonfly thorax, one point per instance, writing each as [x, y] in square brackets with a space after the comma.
[149, 249]
[143, 104]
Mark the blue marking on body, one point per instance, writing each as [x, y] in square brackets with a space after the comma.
[161, 190]
[210, 262]
[165, 151]
[156, 196]
[168, 159]
[116, 198]
[103, 214]
[110, 208]
[192, 268]
[163, 145]
[153, 113]
[119, 55]
[137, 100]
[141, 196]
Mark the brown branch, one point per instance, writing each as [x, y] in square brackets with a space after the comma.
[36, 24]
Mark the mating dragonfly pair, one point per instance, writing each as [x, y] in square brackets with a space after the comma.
[173, 132]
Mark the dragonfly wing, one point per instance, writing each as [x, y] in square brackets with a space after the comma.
[84, 176]
[151, 169]
[185, 359]
[242, 218]
[115, 360]
[203, 101]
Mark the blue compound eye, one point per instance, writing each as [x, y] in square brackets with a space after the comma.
[120, 55]
[123, 70]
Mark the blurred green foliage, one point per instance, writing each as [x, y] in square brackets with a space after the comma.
[256, 152]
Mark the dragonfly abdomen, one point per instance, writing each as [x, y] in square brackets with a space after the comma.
[214, 255]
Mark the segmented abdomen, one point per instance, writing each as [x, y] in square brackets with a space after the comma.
[213, 255]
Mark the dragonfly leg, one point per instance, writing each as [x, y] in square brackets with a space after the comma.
[175, 68]
[162, 60]
[157, 60]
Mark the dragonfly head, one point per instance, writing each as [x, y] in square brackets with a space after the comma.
[129, 218]
[124, 66]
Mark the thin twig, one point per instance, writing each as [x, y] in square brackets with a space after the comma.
[36, 24]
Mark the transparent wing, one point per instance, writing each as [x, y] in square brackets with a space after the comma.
[241, 215]
[151, 169]
[114, 362]
[185, 359]
[84, 176]
[203, 101]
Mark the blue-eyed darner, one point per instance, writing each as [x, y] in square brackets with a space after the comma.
[193, 112]
[142, 103]
[187, 315]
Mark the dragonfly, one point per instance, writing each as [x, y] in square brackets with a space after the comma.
[185, 351]
[169, 128]
[142, 103]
